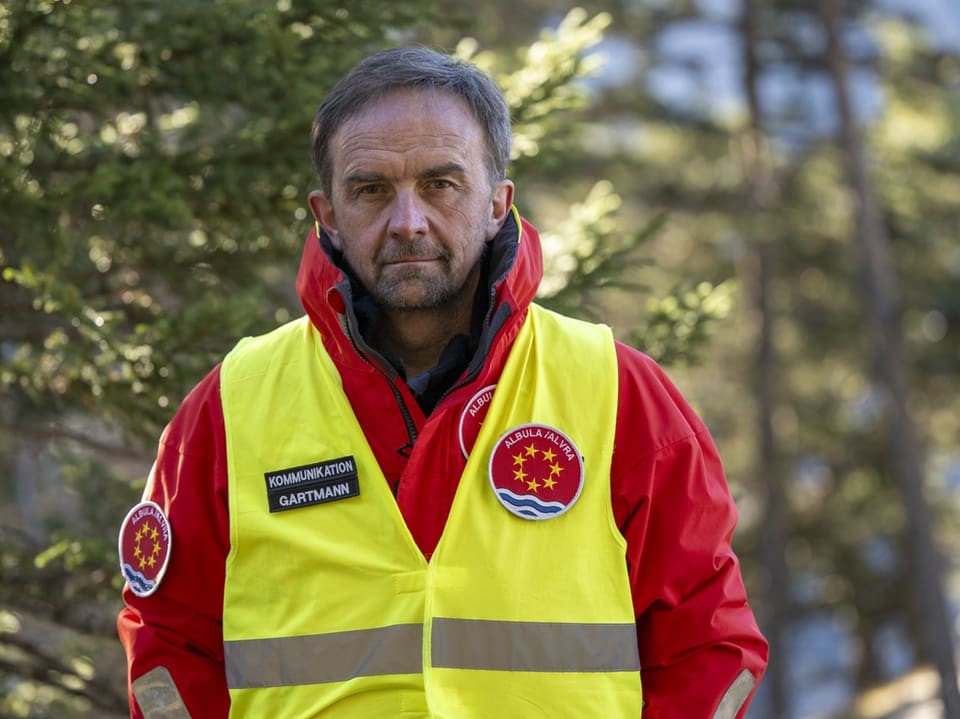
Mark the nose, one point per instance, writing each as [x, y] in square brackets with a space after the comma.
[407, 217]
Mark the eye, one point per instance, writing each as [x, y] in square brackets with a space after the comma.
[439, 184]
[369, 189]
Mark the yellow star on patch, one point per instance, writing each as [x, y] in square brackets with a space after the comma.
[531, 450]
[519, 459]
[519, 474]
[533, 484]
[555, 469]
[549, 483]
[548, 455]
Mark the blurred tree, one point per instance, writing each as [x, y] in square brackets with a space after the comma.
[882, 296]
[761, 189]
[155, 168]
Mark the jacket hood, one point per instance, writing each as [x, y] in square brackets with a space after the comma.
[516, 268]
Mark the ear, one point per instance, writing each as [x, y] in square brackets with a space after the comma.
[500, 205]
[323, 210]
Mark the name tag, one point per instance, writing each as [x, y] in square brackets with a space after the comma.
[311, 484]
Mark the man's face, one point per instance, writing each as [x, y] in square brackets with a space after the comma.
[411, 204]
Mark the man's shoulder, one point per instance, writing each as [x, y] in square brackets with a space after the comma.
[253, 354]
[649, 396]
[289, 331]
[639, 363]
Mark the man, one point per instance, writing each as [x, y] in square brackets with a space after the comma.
[430, 497]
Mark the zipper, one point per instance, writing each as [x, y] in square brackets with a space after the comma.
[492, 324]
[378, 363]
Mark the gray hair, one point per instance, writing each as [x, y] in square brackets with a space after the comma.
[414, 68]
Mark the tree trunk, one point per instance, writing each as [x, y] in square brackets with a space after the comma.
[882, 298]
[761, 196]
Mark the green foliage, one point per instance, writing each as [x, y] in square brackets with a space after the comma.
[586, 251]
[677, 327]
[154, 184]
[541, 84]
[588, 256]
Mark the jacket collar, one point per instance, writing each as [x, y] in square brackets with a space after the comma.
[327, 291]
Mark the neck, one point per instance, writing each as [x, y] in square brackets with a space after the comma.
[418, 337]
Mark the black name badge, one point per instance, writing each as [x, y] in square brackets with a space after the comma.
[311, 484]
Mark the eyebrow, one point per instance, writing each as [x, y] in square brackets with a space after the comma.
[450, 168]
[361, 176]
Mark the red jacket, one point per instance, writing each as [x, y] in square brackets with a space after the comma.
[696, 633]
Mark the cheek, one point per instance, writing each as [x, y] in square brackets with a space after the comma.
[357, 255]
[467, 218]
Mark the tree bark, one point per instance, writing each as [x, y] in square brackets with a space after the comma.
[761, 195]
[883, 305]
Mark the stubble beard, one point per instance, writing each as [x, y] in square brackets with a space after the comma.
[413, 288]
[418, 288]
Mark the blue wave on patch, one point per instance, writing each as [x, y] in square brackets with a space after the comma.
[529, 505]
[137, 581]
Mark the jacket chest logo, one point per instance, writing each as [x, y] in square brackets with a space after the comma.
[472, 417]
[536, 471]
[310, 484]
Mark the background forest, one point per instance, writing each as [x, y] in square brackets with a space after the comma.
[765, 196]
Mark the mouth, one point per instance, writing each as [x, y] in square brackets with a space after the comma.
[405, 261]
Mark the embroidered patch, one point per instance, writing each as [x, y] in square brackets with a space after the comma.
[311, 484]
[536, 471]
[472, 417]
[144, 546]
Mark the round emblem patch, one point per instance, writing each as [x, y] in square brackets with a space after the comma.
[472, 417]
[536, 471]
[144, 546]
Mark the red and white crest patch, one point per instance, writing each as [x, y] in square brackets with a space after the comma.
[536, 471]
[144, 546]
[472, 417]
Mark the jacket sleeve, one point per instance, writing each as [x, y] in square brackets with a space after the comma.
[701, 652]
[174, 636]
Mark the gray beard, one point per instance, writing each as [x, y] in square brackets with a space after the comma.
[434, 293]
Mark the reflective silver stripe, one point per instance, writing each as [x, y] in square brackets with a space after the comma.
[320, 658]
[457, 643]
[157, 695]
[735, 696]
[534, 646]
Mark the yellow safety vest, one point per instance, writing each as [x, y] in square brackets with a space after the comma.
[330, 609]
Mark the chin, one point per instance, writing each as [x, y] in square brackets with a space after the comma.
[415, 299]
[420, 293]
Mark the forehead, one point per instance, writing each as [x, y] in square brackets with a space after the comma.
[407, 128]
